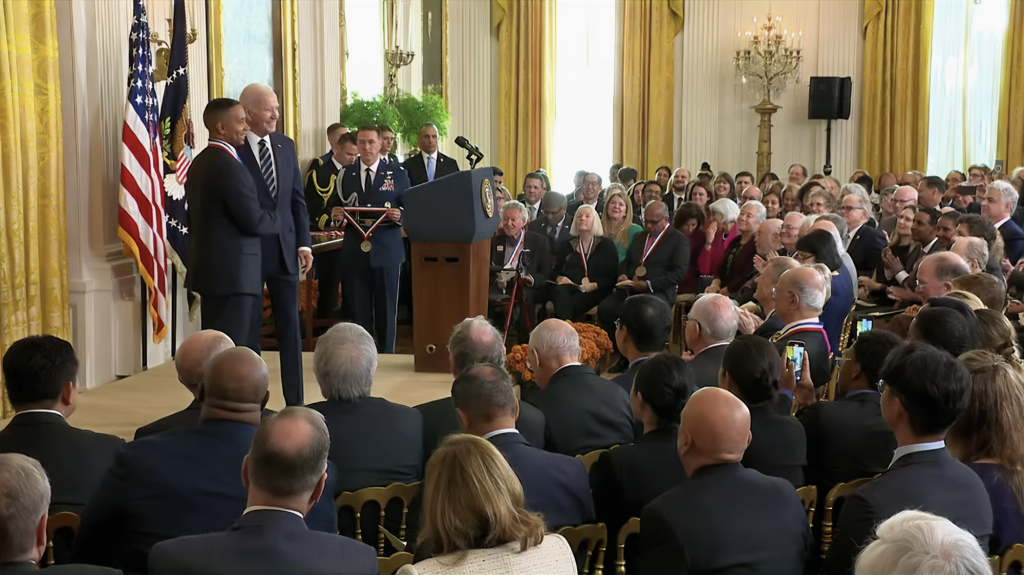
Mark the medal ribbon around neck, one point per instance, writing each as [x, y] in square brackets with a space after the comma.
[366, 234]
[226, 147]
[513, 261]
[649, 246]
[585, 255]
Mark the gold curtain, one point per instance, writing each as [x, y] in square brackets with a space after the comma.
[33, 245]
[526, 86]
[894, 119]
[1010, 143]
[643, 122]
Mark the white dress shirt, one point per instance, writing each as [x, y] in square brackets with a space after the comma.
[915, 448]
[337, 164]
[853, 233]
[426, 163]
[268, 508]
[363, 168]
[1000, 223]
[903, 275]
[54, 411]
[500, 432]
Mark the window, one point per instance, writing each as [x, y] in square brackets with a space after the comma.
[966, 74]
[584, 66]
[364, 41]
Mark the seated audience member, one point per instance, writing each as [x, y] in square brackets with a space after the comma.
[520, 250]
[998, 335]
[917, 543]
[968, 298]
[751, 194]
[642, 332]
[924, 391]
[689, 219]
[656, 263]
[475, 517]
[555, 485]
[555, 224]
[836, 226]
[473, 341]
[586, 267]
[618, 223]
[790, 234]
[799, 299]
[627, 478]
[725, 186]
[719, 233]
[700, 192]
[900, 253]
[998, 205]
[374, 442]
[936, 273]
[192, 355]
[675, 197]
[186, 481]
[923, 232]
[866, 243]
[977, 226]
[591, 195]
[710, 326]
[535, 185]
[650, 191]
[988, 288]
[819, 202]
[989, 438]
[284, 473]
[750, 369]
[738, 259]
[772, 200]
[945, 230]
[584, 411]
[41, 378]
[765, 323]
[24, 500]
[947, 324]
[769, 246]
[819, 246]
[501, 195]
[974, 251]
[725, 518]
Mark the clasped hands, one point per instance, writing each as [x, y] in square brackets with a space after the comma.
[585, 287]
[338, 214]
[635, 284]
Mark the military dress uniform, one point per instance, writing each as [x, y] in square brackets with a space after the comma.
[327, 266]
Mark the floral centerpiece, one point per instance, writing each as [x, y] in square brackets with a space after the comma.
[594, 347]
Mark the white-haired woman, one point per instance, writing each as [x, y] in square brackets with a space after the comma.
[738, 259]
[586, 267]
[718, 234]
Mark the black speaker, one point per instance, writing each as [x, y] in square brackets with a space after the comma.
[829, 98]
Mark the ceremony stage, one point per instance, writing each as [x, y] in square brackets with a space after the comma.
[120, 407]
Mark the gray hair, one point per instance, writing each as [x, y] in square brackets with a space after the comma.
[778, 266]
[717, 317]
[1006, 191]
[853, 189]
[863, 200]
[598, 228]
[841, 227]
[802, 217]
[24, 499]
[811, 296]
[549, 341]
[510, 205]
[289, 464]
[919, 543]
[726, 208]
[344, 362]
[473, 341]
[761, 212]
[826, 278]
[972, 248]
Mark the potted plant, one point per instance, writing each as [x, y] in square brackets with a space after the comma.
[405, 116]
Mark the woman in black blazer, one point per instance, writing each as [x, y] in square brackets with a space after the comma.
[586, 267]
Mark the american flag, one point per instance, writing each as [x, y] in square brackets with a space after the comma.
[176, 133]
[140, 218]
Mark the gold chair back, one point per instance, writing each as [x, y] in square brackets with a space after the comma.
[809, 497]
[632, 527]
[62, 520]
[388, 565]
[589, 459]
[356, 500]
[827, 521]
[595, 537]
[1013, 555]
[993, 563]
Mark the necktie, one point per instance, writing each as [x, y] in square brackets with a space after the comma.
[368, 181]
[679, 202]
[553, 232]
[267, 167]
[533, 213]
[430, 168]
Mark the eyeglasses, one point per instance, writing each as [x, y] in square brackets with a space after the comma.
[850, 208]
[652, 222]
[618, 323]
[802, 256]
[898, 201]
[880, 386]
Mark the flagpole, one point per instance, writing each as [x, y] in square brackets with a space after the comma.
[145, 324]
[174, 311]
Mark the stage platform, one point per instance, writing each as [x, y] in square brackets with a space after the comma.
[120, 407]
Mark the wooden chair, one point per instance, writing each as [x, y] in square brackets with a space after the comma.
[679, 309]
[838, 492]
[1012, 556]
[382, 496]
[589, 459]
[809, 497]
[55, 522]
[993, 563]
[388, 565]
[595, 537]
[632, 527]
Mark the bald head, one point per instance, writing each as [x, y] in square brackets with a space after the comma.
[714, 428]
[195, 352]
[261, 108]
[235, 381]
[800, 294]
[252, 93]
[905, 196]
[656, 211]
[823, 224]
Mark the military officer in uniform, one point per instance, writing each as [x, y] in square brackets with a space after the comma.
[334, 131]
[372, 255]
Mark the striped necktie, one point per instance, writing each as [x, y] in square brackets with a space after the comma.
[267, 167]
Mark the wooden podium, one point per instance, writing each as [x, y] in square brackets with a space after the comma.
[450, 223]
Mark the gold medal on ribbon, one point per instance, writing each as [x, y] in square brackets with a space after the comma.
[585, 281]
[366, 246]
[641, 271]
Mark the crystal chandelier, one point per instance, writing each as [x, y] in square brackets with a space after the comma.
[769, 58]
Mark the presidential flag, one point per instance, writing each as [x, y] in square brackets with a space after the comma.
[140, 217]
[177, 135]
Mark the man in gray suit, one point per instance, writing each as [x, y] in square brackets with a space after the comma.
[710, 327]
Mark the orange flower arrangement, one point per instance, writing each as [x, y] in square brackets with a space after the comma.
[594, 346]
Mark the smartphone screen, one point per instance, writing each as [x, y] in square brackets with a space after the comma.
[864, 325]
[795, 354]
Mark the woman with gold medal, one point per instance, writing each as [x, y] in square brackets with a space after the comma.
[585, 267]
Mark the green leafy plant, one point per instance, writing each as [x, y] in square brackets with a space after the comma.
[429, 108]
[372, 112]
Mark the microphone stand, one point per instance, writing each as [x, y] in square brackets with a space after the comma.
[520, 290]
[474, 159]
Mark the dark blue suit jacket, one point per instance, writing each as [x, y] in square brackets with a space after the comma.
[556, 486]
[866, 250]
[1013, 241]
[172, 484]
[264, 541]
[389, 186]
[280, 252]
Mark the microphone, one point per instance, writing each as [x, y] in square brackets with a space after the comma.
[465, 144]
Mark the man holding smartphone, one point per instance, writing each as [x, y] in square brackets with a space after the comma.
[799, 298]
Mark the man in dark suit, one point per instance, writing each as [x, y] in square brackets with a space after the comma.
[274, 166]
[473, 341]
[865, 244]
[517, 249]
[371, 266]
[642, 333]
[285, 475]
[725, 518]
[23, 514]
[555, 224]
[187, 481]
[41, 378]
[591, 195]
[925, 390]
[655, 263]
[799, 298]
[584, 411]
[556, 486]
[429, 164]
[535, 187]
[710, 326]
[998, 206]
[387, 143]
[226, 221]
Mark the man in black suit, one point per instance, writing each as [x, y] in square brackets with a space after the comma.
[555, 224]
[642, 332]
[799, 298]
[23, 514]
[473, 341]
[186, 481]
[274, 166]
[517, 249]
[924, 391]
[763, 322]
[284, 474]
[710, 326]
[555, 485]
[535, 187]
[865, 244]
[655, 263]
[387, 143]
[584, 411]
[429, 164]
[998, 206]
[41, 378]
[676, 194]
[725, 518]
[226, 221]
[591, 195]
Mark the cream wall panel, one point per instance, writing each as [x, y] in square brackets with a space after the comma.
[472, 81]
[319, 75]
